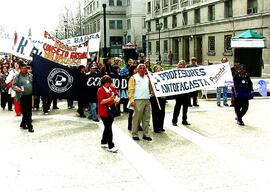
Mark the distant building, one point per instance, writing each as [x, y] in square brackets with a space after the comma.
[124, 23]
[203, 28]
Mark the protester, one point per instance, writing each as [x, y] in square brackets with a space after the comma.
[23, 87]
[93, 100]
[243, 92]
[234, 69]
[107, 97]
[194, 94]
[9, 82]
[81, 100]
[158, 114]
[5, 96]
[181, 100]
[138, 94]
[223, 88]
[107, 69]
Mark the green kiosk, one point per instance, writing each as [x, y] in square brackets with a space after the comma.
[248, 47]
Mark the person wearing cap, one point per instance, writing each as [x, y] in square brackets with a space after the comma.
[223, 88]
[243, 92]
[194, 94]
[139, 98]
[92, 109]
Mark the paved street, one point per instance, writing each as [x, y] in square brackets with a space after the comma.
[213, 154]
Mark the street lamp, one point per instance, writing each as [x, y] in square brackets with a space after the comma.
[125, 37]
[66, 25]
[159, 27]
[56, 33]
[104, 20]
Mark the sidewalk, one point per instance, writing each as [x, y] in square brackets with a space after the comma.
[214, 154]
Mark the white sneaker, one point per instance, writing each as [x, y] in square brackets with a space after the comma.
[104, 145]
[113, 150]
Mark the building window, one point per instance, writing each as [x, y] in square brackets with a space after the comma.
[112, 24]
[174, 21]
[115, 24]
[196, 1]
[144, 23]
[98, 25]
[149, 26]
[185, 18]
[149, 47]
[119, 3]
[157, 7]
[165, 46]
[128, 24]
[197, 15]
[165, 23]
[174, 2]
[129, 39]
[228, 8]
[111, 2]
[165, 3]
[148, 7]
[157, 46]
[252, 6]
[184, 3]
[94, 27]
[227, 45]
[157, 22]
[211, 13]
[128, 2]
[211, 46]
[119, 24]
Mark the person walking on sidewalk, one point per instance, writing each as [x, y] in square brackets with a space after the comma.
[107, 97]
[243, 92]
[139, 97]
[23, 87]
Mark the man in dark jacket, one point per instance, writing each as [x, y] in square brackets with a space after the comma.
[243, 91]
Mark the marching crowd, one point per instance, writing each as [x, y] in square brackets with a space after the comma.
[16, 94]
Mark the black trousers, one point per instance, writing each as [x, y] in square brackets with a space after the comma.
[181, 100]
[240, 107]
[46, 103]
[6, 98]
[194, 96]
[107, 136]
[26, 108]
[36, 102]
[157, 114]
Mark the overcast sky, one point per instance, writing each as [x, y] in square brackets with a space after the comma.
[38, 15]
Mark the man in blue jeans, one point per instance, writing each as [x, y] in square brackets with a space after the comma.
[224, 89]
[93, 101]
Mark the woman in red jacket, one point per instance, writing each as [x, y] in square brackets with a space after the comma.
[107, 98]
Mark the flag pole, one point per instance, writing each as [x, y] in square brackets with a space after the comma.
[152, 84]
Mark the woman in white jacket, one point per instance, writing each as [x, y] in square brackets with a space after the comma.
[11, 75]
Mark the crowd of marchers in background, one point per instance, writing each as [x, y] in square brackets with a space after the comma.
[16, 94]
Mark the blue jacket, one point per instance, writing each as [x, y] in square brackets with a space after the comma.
[243, 87]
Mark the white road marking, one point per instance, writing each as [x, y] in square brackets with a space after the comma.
[154, 174]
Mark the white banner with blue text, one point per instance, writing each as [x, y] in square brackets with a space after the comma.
[184, 80]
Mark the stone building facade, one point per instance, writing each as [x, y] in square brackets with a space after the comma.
[124, 23]
[203, 28]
